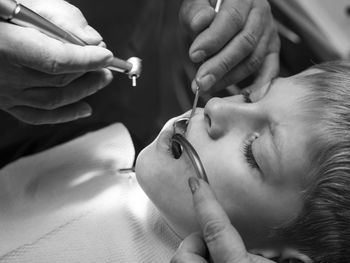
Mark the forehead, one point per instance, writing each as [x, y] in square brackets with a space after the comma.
[286, 94]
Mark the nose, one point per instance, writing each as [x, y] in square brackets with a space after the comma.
[225, 114]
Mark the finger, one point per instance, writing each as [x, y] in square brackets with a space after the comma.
[69, 18]
[227, 23]
[193, 244]
[187, 258]
[49, 98]
[251, 65]
[196, 15]
[223, 241]
[192, 249]
[33, 78]
[38, 117]
[30, 48]
[233, 53]
[269, 69]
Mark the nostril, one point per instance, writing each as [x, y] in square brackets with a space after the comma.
[207, 119]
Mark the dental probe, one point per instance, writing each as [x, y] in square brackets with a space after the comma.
[193, 111]
[126, 170]
[217, 6]
[18, 14]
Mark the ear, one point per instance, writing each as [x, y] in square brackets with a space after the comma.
[290, 255]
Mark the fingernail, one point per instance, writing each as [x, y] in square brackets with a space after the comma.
[194, 86]
[102, 44]
[93, 33]
[193, 182]
[206, 82]
[198, 56]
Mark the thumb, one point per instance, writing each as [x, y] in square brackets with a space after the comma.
[68, 17]
[222, 239]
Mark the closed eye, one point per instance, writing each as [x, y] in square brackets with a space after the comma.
[248, 153]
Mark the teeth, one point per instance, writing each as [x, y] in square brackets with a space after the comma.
[176, 149]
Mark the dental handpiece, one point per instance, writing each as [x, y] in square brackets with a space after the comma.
[18, 14]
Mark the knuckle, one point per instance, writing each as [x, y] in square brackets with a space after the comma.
[226, 64]
[55, 100]
[235, 15]
[54, 66]
[54, 61]
[212, 231]
[254, 64]
[39, 101]
[250, 40]
[62, 80]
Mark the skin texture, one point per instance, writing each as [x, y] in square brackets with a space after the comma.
[43, 80]
[239, 41]
[218, 238]
[255, 199]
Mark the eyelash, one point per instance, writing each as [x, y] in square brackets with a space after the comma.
[248, 153]
[246, 96]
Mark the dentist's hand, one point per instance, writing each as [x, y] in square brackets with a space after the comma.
[218, 240]
[42, 80]
[238, 41]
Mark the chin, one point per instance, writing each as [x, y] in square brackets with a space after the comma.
[164, 179]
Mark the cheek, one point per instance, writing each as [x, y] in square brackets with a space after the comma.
[164, 179]
[236, 188]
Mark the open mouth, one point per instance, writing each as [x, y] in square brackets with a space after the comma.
[179, 127]
[176, 149]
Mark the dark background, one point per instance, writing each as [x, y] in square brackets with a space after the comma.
[150, 30]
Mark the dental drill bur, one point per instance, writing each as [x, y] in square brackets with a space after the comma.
[15, 13]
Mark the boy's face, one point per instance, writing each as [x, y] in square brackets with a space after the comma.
[255, 156]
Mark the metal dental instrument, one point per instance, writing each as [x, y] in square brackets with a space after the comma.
[217, 6]
[18, 14]
[126, 170]
[193, 111]
[180, 127]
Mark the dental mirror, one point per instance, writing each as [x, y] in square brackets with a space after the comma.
[180, 144]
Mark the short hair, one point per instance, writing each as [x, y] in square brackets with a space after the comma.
[322, 229]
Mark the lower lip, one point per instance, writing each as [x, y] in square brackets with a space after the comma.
[163, 141]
